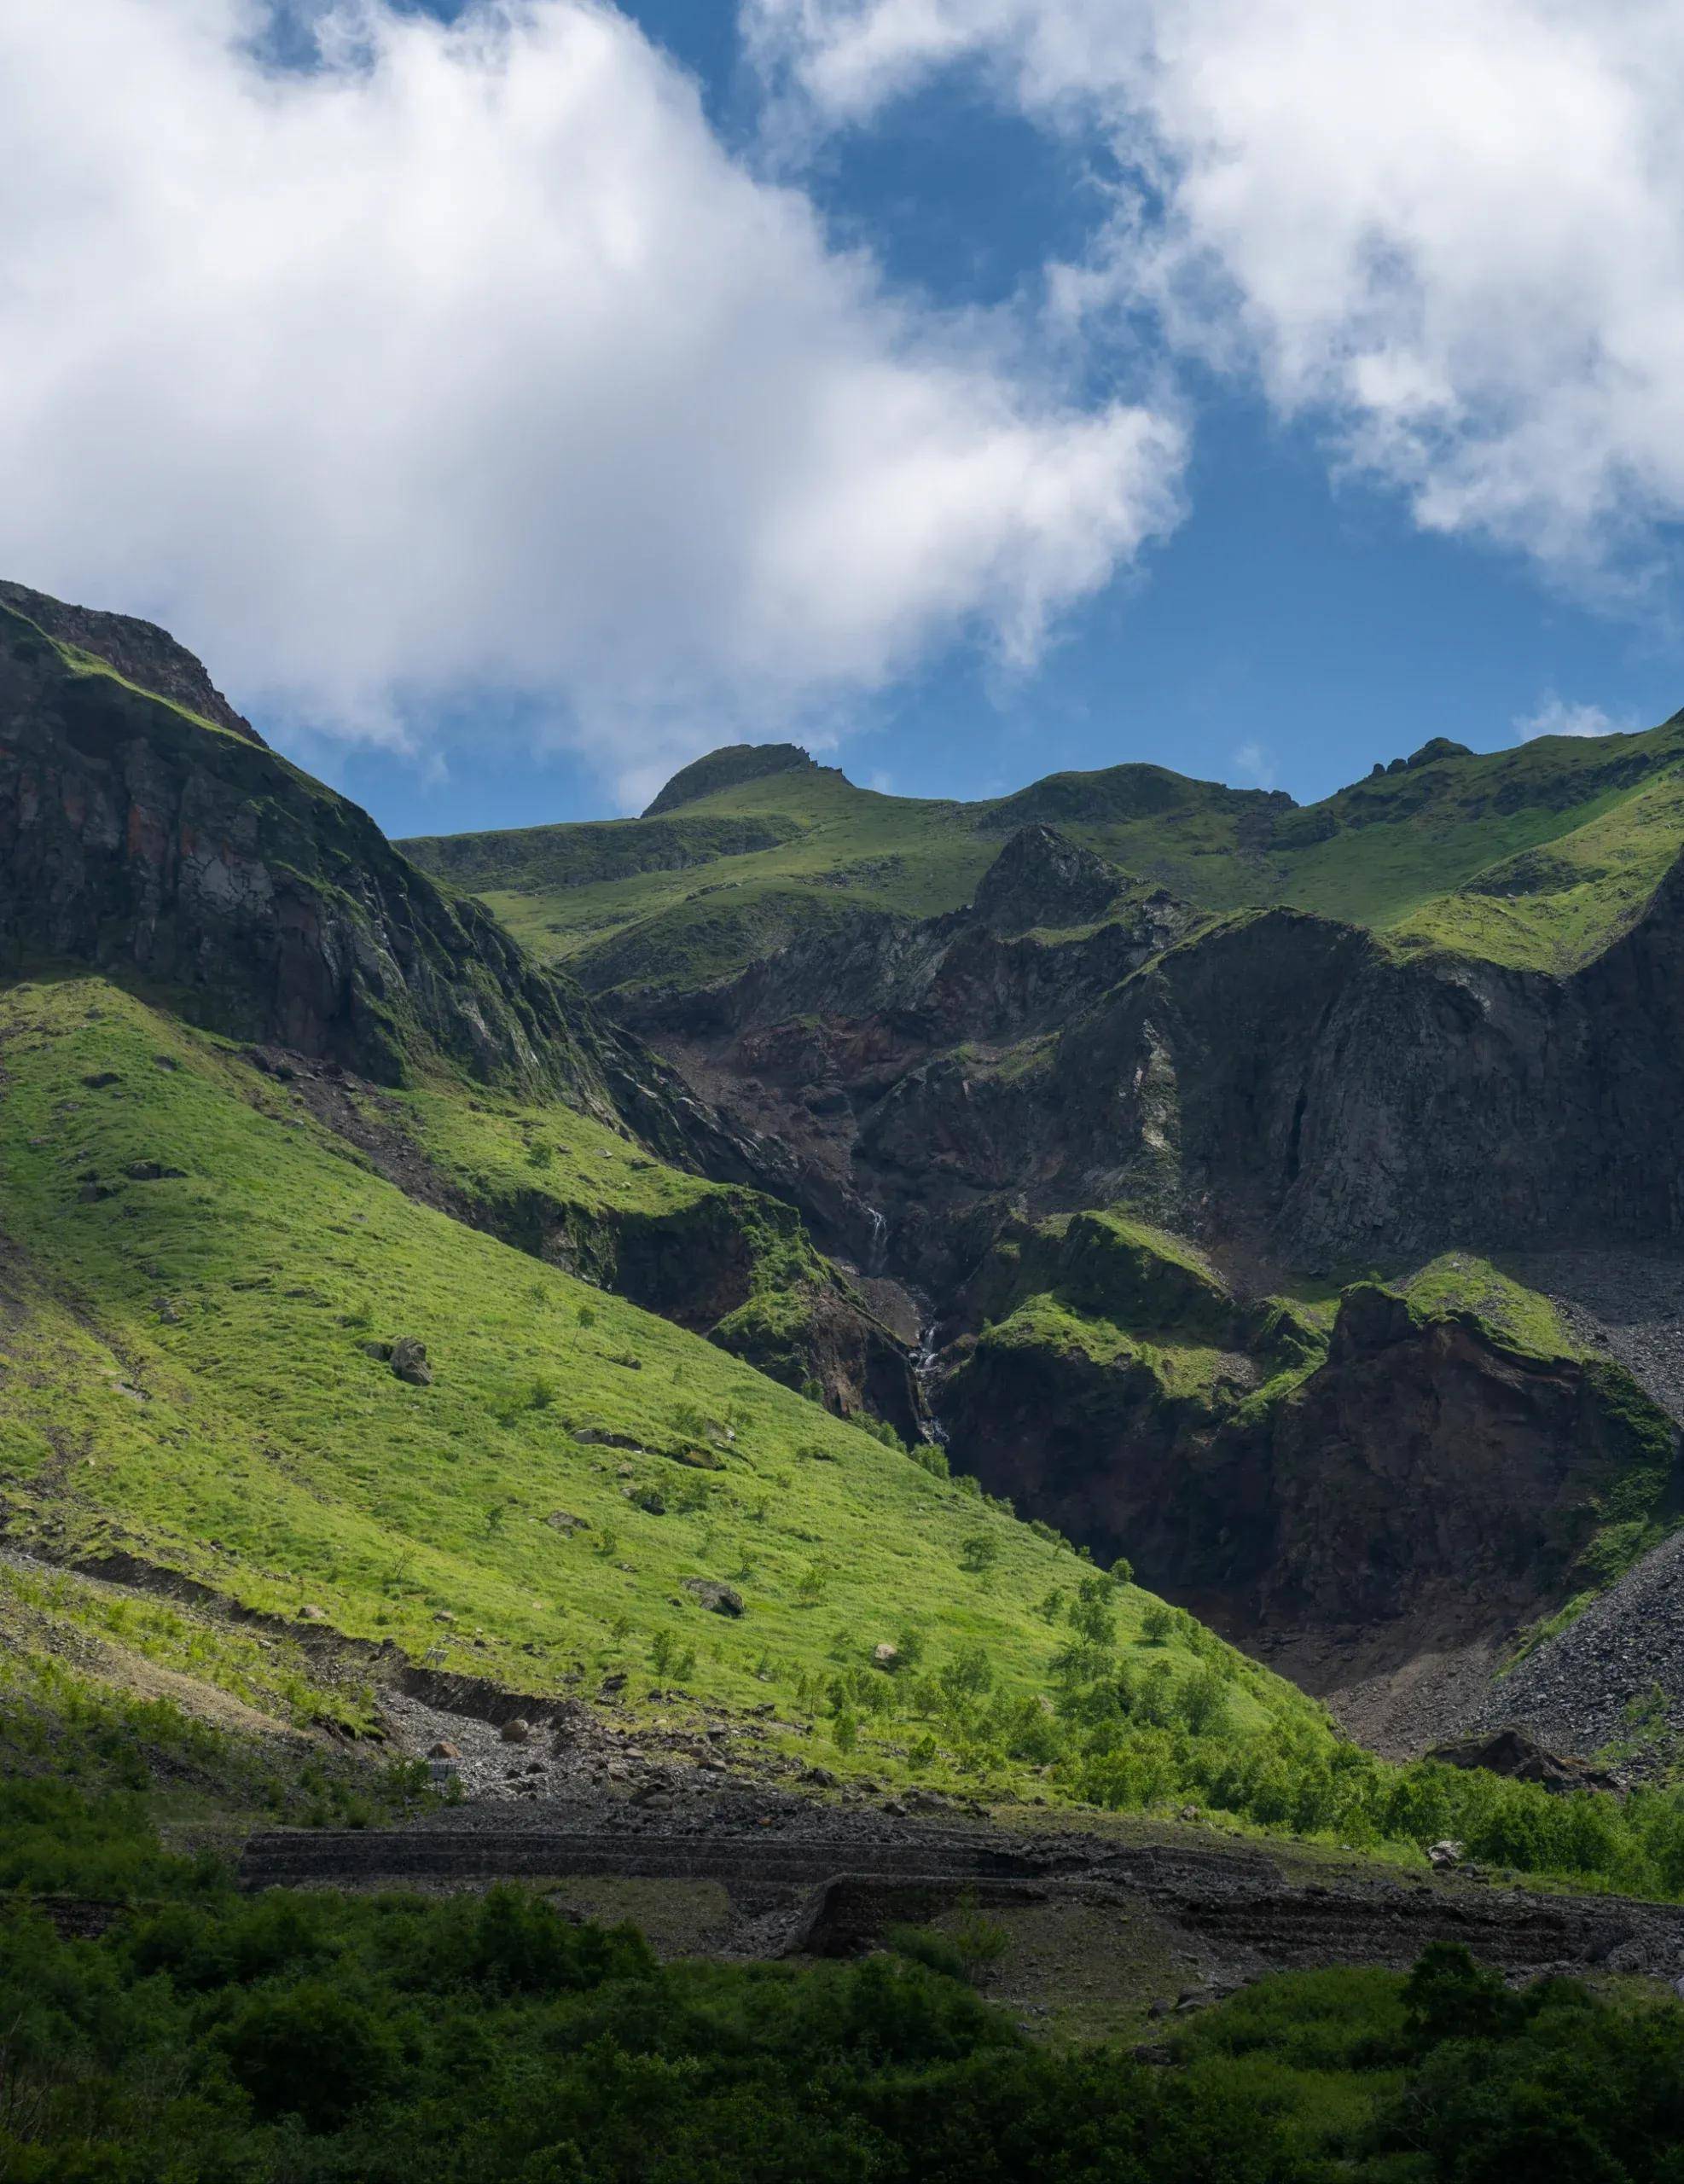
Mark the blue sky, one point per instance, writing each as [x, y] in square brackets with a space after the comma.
[1308, 514]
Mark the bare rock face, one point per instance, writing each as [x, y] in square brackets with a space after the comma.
[1426, 1469]
[136, 840]
[140, 653]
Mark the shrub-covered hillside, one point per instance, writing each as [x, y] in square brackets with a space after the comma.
[311, 2039]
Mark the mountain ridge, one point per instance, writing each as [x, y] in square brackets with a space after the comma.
[1536, 856]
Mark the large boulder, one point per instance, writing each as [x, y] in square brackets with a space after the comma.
[723, 1599]
[409, 1362]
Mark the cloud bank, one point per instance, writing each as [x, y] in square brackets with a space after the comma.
[1558, 716]
[1450, 230]
[466, 357]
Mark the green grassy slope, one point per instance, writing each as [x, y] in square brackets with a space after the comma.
[184, 1377]
[1536, 856]
[692, 894]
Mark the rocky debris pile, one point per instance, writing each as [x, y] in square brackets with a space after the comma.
[1614, 1676]
[1627, 1305]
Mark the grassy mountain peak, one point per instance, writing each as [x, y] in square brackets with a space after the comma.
[725, 768]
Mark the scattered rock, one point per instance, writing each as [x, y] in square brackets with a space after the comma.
[563, 1521]
[409, 1362]
[1444, 1855]
[820, 1777]
[382, 1350]
[442, 1749]
[311, 1613]
[886, 1656]
[100, 1078]
[721, 1599]
[153, 1171]
[518, 1731]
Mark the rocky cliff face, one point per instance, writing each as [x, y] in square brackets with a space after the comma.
[1276, 1078]
[872, 1051]
[1341, 1104]
[1416, 1469]
[143, 842]
[1302, 1098]
[140, 653]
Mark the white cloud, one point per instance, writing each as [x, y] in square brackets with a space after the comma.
[470, 357]
[1452, 230]
[1558, 716]
[1255, 763]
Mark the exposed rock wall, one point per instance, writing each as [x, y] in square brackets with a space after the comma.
[136, 841]
[139, 652]
[1427, 1467]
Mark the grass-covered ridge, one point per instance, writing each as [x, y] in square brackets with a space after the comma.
[1132, 1299]
[1535, 856]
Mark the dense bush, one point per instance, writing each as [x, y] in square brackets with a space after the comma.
[313, 2039]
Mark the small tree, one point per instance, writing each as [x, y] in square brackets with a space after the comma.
[1092, 1615]
[979, 1553]
[1157, 1623]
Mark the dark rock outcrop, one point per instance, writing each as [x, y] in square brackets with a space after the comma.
[1042, 878]
[136, 839]
[1427, 1474]
[140, 653]
[828, 1047]
[1522, 1758]
[722, 1599]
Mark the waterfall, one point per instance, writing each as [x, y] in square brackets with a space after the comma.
[923, 1366]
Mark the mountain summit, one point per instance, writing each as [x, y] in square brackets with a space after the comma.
[729, 767]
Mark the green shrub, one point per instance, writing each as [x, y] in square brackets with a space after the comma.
[314, 2052]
